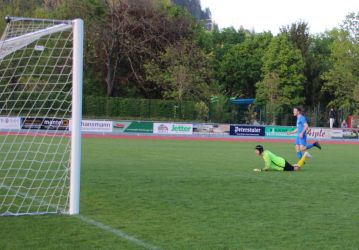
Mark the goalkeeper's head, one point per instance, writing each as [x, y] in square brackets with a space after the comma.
[259, 150]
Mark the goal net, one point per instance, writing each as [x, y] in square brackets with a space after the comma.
[40, 116]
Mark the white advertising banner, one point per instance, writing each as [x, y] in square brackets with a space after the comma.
[319, 133]
[13, 123]
[173, 128]
[337, 133]
[95, 126]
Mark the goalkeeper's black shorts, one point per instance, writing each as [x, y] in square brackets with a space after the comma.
[288, 167]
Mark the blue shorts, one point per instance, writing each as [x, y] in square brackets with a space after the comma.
[301, 141]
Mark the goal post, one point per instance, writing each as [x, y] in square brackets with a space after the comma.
[76, 117]
[41, 71]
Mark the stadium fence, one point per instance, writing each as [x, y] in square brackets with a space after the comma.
[169, 110]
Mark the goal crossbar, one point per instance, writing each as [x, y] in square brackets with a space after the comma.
[12, 44]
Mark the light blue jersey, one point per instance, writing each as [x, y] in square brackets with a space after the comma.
[301, 120]
[301, 143]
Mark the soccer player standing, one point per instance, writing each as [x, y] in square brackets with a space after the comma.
[301, 139]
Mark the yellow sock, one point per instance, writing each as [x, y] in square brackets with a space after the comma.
[301, 161]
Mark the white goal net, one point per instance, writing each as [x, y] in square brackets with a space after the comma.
[40, 116]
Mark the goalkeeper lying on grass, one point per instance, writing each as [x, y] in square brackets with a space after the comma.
[277, 163]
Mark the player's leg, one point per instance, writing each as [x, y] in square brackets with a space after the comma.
[290, 167]
[303, 145]
[310, 145]
[298, 151]
[303, 149]
[297, 148]
[301, 162]
[315, 144]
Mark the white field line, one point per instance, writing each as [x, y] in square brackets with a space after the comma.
[117, 232]
[97, 224]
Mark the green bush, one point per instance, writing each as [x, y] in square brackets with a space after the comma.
[147, 109]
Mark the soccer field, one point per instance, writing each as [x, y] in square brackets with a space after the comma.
[163, 194]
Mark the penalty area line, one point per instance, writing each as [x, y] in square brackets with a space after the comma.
[117, 232]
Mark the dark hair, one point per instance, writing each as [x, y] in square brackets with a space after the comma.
[299, 109]
[260, 148]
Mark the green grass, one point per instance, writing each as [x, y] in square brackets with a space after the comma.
[202, 195]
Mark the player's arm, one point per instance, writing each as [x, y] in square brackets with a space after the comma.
[267, 162]
[260, 169]
[292, 132]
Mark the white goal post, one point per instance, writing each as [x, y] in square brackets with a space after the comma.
[41, 71]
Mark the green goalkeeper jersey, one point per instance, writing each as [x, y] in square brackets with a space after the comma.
[272, 161]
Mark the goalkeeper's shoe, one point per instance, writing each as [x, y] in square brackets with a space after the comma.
[306, 154]
[316, 144]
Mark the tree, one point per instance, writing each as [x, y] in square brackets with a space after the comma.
[299, 36]
[351, 25]
[23, 8]
[92, 12]
[241, 66]
[342, 80]
[268, 94]
[282, 63]
[133, 33]
[217, 44]
[317, 62]
[122, 36]
[182, 73]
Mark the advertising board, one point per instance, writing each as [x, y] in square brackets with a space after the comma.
[137, 127]
[350, 133]
[319, 133]
[205, 128]
[242, 130]
[336, 133]
[45, 123]
[279, 131]
[96, 126]
[10, 123]
[173, 128]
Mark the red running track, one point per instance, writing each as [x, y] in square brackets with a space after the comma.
[225, 139]
[186, 138]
